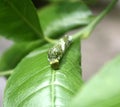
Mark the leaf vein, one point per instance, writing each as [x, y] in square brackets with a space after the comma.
[24, 18]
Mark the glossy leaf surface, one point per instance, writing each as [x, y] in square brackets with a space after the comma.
[57, 19]
[103, 90]
[35, 84]
[19, 21]
[11, 57]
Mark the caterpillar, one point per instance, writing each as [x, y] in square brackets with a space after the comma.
[56, 52]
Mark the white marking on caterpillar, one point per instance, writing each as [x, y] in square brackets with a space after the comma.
[56, 52]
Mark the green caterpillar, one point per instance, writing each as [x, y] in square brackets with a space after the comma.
[56, 52]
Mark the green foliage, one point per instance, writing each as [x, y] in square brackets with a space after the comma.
[57, 19]
[19, 21]
[79, 12]
[35, 84]
[103, 90]
[91, 2]
[15, 53]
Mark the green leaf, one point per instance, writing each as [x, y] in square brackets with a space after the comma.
[15, 53]
[57, 19]
[19, 21]
[35, 84]
[103, 90]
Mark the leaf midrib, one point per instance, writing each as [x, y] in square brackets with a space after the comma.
[53, 88]
[24, 19]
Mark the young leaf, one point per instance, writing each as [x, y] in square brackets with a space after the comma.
[35, 84]
[14, 54]
[19, 21]
[57, 19]
[103, 90]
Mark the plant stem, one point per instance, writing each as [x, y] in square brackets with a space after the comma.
[4, 73]
[87, 31]
[49, 40]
